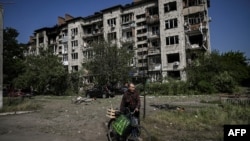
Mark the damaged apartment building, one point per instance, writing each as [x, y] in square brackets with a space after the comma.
[166, 36]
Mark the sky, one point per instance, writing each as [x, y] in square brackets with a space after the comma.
[229, 27]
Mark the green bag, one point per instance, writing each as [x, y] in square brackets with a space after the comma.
[120, 124]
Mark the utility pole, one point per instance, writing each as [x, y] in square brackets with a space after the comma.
[1, 56]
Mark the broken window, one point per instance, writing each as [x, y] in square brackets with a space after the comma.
[173, 57]
[142, 61]
[155, 59]
[142, 45]
[155, 43]
[127, 18]
[171, 40]
[112, 36]
[65, 57]
[171, 6]
[141, 23]
[155, 30]
[195, 18]
[112, 22]
[74, 43]
[74, 31]
[127, 34]
[152, 11]
[89, 31]
[88, 54]
[74, 68]
[142, 38]
[196, 39]
[172, 23]
[74, 56]
[141, 31]
[140, 16]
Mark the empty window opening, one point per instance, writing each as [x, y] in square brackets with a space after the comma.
[155, 43]
[142, 38]
[74, 31]
[128, 34]
[155, 30]
[112, 36]
[172, 23]
[140, 16]
[74, 68]
[171, 6]
[196, 39]
[172, 40]
[141, 31]
[127, 18]
[173, 57]
[153, 11]
[111, 22]
[142, 45]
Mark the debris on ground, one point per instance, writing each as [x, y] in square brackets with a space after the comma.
[80, 99]
[167, 107]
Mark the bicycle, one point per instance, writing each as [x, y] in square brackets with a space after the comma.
[133, 132]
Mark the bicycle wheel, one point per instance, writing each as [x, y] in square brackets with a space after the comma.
[112, 135]
[139, 133]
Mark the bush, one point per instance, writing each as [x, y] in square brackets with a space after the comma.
[205, 87]
[224, 82]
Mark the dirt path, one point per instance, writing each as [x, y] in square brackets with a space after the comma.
[60, 120]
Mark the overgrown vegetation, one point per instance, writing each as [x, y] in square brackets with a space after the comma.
[109, 63]
[45, 73]
[17, 104]
[215, 72]
[204, 123]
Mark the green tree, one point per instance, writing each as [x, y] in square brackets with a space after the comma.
[12, 55]
[109, 63]
[45, 73]
[218, 72]
[235, 63]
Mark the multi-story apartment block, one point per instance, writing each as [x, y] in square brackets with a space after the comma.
[166, 35]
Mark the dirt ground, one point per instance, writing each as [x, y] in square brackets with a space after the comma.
[60, 120]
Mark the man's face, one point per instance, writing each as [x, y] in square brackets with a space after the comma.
[131, 87]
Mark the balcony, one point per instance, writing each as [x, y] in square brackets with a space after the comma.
[193, 9]
[128, 26]
[154, 51]
[154, 35]
[65, 39]
[152, 19]
[65, 63]
[126, 40]
[154, 67]
[196, 27]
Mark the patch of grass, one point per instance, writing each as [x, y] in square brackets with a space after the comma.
[201, 124]
[17, 104]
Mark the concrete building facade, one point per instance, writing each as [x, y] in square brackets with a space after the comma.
[166, 35]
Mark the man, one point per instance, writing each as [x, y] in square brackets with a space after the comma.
[131, 100]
